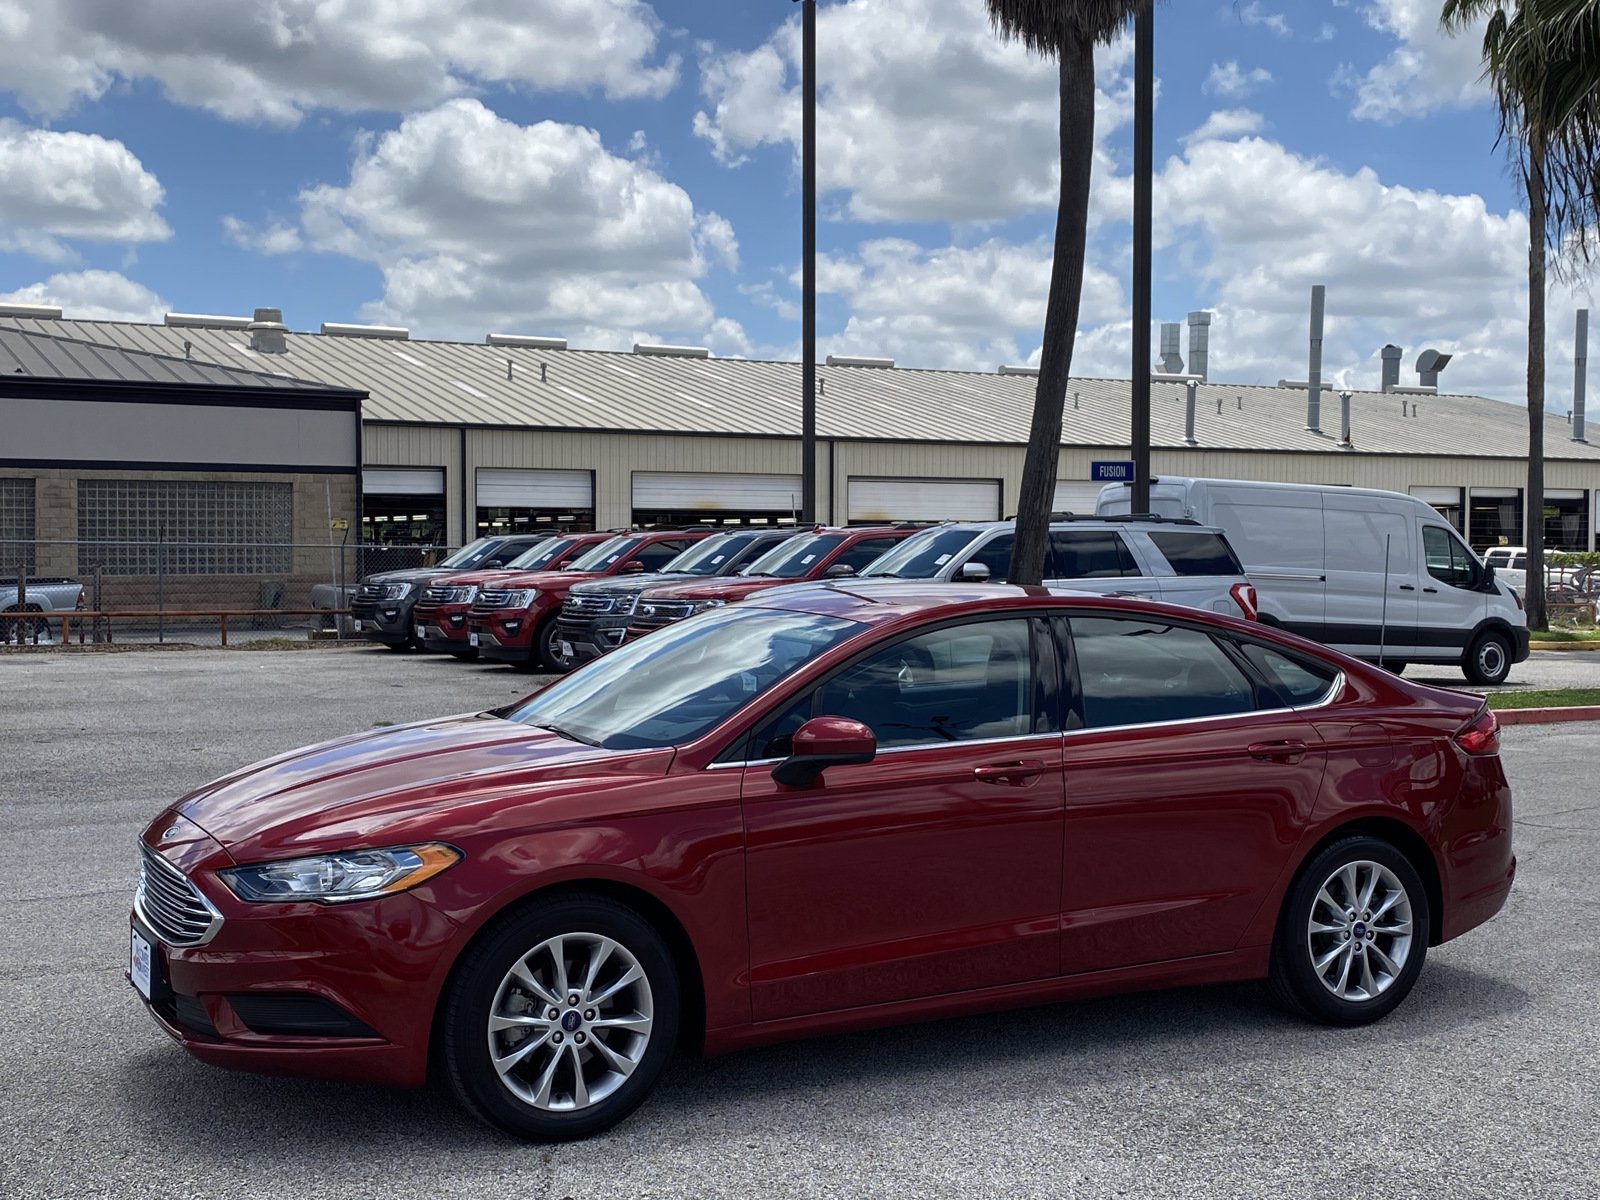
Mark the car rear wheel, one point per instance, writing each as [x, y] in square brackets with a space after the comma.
[1352, 935]
[1488, 659]
[559, 1021]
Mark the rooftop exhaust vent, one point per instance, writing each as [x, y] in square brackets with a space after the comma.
[1429, 364]
[39, 312]
[1007, 369]
[205, 321]
[526, 340]
[846, 360]
[1171, 354]
[1164, 377]
[663, 350]
[393, 333]
[267, 332]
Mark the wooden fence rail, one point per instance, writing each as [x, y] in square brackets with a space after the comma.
[99, 624]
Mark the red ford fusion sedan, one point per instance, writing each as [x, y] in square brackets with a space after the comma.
[822, 810]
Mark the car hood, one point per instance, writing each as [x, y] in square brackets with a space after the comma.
[390, 786]
[409, 575]
[627, 584]
[557, 581]
[734, 588]
[473, 577]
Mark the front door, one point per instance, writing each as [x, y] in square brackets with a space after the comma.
[935, 868]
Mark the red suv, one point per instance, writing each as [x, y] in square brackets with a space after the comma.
[439, 617]
[822, 554]
[515, 621]
[827, 808]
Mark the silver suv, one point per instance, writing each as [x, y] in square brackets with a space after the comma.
[1179, 561]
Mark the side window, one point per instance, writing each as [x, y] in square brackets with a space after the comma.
[1197, 553]
[996, 555]
[774, 738]
[1137, 672]
[1086, 555]
[1448, 560]
[1297, 681]
[658, 554]
[754, 549]
[863, 552]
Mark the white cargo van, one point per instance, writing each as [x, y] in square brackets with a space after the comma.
[1379, 575]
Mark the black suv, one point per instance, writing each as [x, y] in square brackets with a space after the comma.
[595, 615]
[382, 604]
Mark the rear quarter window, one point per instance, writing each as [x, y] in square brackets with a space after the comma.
[1197, 553]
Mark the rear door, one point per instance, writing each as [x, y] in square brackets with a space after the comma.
[1096, 560]
[1201, 568]
[1188, 781]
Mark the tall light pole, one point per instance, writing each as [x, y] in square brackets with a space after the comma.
[1143, 111]
[808, 270]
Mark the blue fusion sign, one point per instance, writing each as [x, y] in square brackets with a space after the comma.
[1111, 472]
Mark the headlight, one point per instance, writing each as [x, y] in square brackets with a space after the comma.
[521, 599]
[335, 878]
[627, 604]
[396, 591]
[464, 595]
[702, 605]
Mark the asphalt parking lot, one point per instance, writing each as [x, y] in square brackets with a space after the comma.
[1486, 1083]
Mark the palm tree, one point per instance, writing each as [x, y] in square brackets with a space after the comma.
[1542, 58]
[1067, 31]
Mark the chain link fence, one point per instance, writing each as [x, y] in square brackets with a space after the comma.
[186, 592]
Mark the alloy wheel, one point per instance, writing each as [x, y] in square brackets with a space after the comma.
[1360, 931]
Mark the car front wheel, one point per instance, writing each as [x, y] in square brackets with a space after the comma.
[560, 1020]
[1488, 659]
[1352, 935]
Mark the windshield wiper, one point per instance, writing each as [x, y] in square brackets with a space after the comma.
[567, 733]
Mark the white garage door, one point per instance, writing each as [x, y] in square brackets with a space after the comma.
[671, 490]
[499, 487]
[1448, 497]
[402, 481]
[924, 500]
[1076, 497]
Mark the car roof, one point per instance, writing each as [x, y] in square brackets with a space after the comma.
[1059, 523]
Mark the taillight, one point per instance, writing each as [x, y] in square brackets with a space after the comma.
[1244, 595]
[1481, 735]
[1517, 596]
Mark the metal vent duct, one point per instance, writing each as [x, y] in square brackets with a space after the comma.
[393, 333]
[1171, 355]
[1580, 369]
[39, 312]
[267, 332]
[1391, 366]
[1200, 344]
[526, 341]
[845, 360]
[1008, 369]
[1314, 370]
[205, 321]
[663, 350]
[1429, 364]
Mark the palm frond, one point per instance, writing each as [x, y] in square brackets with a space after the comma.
[1046, 27]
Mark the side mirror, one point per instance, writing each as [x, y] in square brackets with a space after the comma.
[633, 568]
[838, 571]
[824, 742]
[973, 572]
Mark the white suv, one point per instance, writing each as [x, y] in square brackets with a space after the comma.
[1179, 561]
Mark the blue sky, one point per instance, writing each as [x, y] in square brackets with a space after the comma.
[620, 170]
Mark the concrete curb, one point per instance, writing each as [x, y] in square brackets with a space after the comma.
[1546, 716]
[1565, 646]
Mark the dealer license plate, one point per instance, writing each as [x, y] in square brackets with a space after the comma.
[472, 639]
[356, 625]
[139, 963]
[566, 649]
[421, 637]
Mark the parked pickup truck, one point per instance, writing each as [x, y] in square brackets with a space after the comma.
[43, 596]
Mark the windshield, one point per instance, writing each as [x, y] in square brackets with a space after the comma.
[603, 555]
[543, 554]
[472, 553]
[709, 557]
[794, 558]
[683, 681]
[921, 556]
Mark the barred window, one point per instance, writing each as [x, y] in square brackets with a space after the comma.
[16, 526]
[137, 527]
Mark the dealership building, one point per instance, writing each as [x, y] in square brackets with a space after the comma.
[415, 441]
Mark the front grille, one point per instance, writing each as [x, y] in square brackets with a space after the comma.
[657, 610]
[175, 911]
[588, 606]
[371, 591]
[436, 595]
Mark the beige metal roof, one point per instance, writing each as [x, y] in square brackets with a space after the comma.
[26, 354]
[458, 383]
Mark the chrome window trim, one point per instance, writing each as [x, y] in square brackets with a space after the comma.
[1017, 737]
[1327, 699]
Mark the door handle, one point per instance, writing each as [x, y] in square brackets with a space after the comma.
[1431, 591]
[1284, 752]
[1406, 587]
[1015, 774]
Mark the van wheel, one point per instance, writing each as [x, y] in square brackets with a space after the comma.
[1488, 659]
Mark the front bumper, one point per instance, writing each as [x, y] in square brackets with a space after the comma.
[386, 621]
[442, 628]
[503, 635]
[333, 992]
[1520, 649]
[592, 637]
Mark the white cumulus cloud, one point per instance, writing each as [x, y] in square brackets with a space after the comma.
[1232, 82]
[93, 296]
[57, 186]
[1426, 70]
[274, 60]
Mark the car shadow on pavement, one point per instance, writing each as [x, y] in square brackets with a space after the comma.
[1059, 1050]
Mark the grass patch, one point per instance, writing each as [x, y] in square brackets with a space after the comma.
[1553, 698]
[1566, 635]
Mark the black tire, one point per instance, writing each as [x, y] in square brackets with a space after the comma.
[465, 655]
[481, 986]
[1488, 659]
[545, 650]
[404, 647]
[1296, 950]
